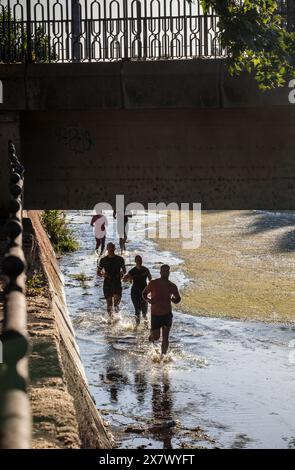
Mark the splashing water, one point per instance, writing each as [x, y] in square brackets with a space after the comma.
[219, 384]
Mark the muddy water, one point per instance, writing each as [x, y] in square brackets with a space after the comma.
[224, 383]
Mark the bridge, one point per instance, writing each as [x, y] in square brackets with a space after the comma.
[134, 98]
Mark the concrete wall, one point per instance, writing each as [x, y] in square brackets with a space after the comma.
[131, 85]
[224, 158]
[182, 131]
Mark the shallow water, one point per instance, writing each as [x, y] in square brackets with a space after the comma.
[224, 383]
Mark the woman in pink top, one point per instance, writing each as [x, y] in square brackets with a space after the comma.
[160, 293]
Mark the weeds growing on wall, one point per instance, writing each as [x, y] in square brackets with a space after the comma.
[61, 237]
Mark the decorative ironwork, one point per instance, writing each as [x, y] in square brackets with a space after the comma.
[110, 30]
[15, 418]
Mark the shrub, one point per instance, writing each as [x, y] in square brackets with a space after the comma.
[54, 223]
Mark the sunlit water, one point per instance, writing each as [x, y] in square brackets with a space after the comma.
[231, 379]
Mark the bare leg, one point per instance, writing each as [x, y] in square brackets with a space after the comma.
[117, 300]
[110, 305]
[154, 335]
[103, 242]
[165, 339]
[122, 245]
[144, 309]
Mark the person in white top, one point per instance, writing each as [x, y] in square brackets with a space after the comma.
[99, 222]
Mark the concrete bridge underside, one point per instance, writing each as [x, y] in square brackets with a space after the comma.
[175, 131]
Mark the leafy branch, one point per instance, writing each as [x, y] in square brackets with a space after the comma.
[256, 38]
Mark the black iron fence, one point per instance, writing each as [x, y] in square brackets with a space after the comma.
[106, 30]
[15, 418]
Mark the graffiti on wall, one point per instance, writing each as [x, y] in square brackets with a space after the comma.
[78, 140]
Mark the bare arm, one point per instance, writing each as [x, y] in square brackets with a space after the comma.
[127, 278]
[149, 275]
[175, 296]
[145, 294]
[123, 269]
[100, 272]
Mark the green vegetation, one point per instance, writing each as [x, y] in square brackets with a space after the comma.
[257, 39]
[35, 283]
[14, 40]
[82, 278]
[61, 236]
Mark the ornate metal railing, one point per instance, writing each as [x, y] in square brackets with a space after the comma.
[15, 418]
[106, 30]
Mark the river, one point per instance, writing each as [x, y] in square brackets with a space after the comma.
[224, 383]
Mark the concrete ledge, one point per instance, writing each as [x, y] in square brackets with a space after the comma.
[197, 83]
[172, 84]
[14, 87]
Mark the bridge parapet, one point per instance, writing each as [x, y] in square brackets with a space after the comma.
[131, 85]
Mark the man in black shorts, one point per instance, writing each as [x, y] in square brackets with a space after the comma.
[162, 292]
[138, 276]
[112, 269]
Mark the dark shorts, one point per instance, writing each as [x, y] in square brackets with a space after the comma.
[112, 288]
[158, 321]
[101, 240]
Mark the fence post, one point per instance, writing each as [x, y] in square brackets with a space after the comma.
[139, 28]
[29, 33]
[76, 30]
[290, 15]
[125, 26]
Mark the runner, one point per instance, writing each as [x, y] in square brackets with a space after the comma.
[162, 292]
[122, 228]
[112, 268]
[138, 276]
[99, 222]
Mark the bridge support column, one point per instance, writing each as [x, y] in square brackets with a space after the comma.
[9, 130]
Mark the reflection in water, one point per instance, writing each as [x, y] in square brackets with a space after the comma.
[140, 383]
[162, 406]
[115, 377]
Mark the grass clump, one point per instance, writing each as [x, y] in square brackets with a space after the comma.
[62, 239]
[81, 278]
[35, 283]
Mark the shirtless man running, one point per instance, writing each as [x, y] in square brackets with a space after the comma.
[160, 293]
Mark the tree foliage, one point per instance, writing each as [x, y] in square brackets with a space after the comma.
[256, 39]
[14, 43]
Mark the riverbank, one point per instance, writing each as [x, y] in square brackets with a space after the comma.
[244, 268]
